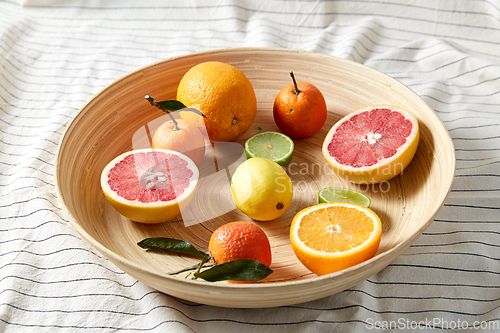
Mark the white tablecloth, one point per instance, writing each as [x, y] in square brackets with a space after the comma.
[55, 55]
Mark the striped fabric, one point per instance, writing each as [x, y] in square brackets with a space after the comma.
[55, 55]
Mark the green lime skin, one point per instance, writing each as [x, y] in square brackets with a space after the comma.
[275, 146]
[339, 194]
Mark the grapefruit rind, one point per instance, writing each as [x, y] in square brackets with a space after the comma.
[385, 169]
[152, 212]
[322, 262]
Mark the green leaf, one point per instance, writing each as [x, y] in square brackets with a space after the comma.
[236, 270]
[173, 105]
[171, 244]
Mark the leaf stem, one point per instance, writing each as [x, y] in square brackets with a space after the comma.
[153, 102]
[206, 258]
[197, 266]
[296, 91]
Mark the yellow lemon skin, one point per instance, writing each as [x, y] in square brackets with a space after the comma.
[261, 189]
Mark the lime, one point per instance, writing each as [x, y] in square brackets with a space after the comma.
[339, 194]
[274, 146]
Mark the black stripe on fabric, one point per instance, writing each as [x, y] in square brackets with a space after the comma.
[395, 311]
[416, 298]
[475, 191]
[26, 167]
[454, 85]
[55, 83]
[43, 150]
[78, 249]
[12, 228]
[41, 210]
[476, 166]
[468, 221]
[81, 263]
[479, 175]
[430, 284]
[28, 144]
[29, 200]
[47, 91]
[91, 279]
[437, 233]
[451, 253]
[115, 328]
[18, 189]
[28, 177]
[469, 206]
[456, 243]
[473, 127]
[29, 126]
[31, 136]
[475, 271]
[24, 155]
[38, 240]
[70, 296]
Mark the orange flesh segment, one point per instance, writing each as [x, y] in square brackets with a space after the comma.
[335, 229]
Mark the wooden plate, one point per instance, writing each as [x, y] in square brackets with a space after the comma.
[119, 118]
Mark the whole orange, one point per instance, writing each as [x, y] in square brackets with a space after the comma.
[184, 138]
[299, 109]
[240, 240]
[223, 94]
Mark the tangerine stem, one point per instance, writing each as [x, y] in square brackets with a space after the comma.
[153, 102]
[296, 91]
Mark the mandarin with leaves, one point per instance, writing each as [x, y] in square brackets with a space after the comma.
[240, 240]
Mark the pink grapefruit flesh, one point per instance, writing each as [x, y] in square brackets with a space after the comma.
[373, 144]
[149, 185]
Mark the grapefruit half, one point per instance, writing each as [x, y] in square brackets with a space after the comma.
[150, 185]
[373, 144]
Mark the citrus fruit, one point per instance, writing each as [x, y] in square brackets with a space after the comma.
[261, 189]
[329, 237]
[373, 144]
[340, 194]
[149, 185]
[223, 94]
[275, 146]
[299, 109]
[240, 240]
[181, 136]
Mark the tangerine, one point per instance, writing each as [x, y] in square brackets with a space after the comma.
[181, 136]
[240, 240]
[223, 94]
[299, 109]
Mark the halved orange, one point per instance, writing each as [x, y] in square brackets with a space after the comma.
[333, 236]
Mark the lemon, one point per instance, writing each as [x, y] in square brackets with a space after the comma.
[261, 189]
